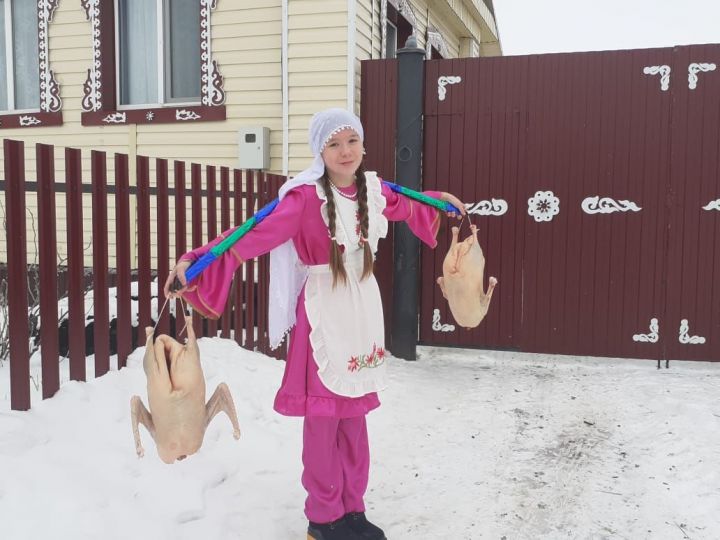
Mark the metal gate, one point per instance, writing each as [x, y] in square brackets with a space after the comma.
[594, 181]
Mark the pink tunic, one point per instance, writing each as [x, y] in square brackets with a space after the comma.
[298, 217]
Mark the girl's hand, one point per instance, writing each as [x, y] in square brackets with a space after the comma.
[179, 272]
[457, 203]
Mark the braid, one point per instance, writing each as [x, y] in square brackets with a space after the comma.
[364, 222]
[336, 262]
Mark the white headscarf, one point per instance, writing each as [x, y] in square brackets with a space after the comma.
[287, 273]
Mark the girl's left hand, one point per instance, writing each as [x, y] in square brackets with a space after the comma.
[457, 203]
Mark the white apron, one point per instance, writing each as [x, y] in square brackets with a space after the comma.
[347, 332]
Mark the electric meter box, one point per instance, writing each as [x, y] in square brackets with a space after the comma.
[254, 148]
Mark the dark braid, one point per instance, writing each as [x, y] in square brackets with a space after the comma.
[336, 262]
[364, 221]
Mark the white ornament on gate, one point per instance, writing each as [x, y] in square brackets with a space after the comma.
[438, 326]
[693, 70]
[651, 337]
[493, 207]
[544, 206]
[443, 81]
[712, 205]
[685, 338]
[664, 72]
[607, 205]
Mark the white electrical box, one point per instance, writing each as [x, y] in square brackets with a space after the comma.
[254, 148]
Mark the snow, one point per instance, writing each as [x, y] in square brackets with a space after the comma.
[467, 444]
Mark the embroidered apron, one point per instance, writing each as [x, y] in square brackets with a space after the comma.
[347, 329]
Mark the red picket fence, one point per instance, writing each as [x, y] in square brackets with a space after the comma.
[240, 193]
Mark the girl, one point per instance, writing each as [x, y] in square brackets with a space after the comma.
[322, 237]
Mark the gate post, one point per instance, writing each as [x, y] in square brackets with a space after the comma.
[408, 170]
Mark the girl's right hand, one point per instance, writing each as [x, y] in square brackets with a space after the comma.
[177, 272]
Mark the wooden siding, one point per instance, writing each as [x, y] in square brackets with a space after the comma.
[246, 42]
[317, 68]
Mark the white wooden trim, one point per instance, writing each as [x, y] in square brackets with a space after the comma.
[352, 14]
[116, 22]
[9, 63]
[160, 17]
[285, 91]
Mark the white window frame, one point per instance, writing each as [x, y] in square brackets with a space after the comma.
[389, 23]
[10, 66]
[162, 74]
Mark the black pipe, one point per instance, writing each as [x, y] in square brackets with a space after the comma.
[408, 170]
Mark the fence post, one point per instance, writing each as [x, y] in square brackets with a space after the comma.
[49, 350]
[19, 332]
[75, 264]
[101, 316]
[408, 170]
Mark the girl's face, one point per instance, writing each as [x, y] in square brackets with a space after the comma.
[342, 156]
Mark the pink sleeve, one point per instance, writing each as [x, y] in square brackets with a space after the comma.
[423, 220]
[209, 291]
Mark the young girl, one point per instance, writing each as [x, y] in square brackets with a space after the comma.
[322, 237]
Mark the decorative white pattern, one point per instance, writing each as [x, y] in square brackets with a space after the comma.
[211, 80]
[493, 207]
[405, 9]
[443, 81]
[712, 205]
[27, 120]
[49, 89]
[182, 114]
[687, 339]
[544, 206]
[606, 205]
[92, 89]
[693, 70]
[115, 118]
[435, 39]
[664, 72]
[437, 326]
[149, 116]
[652, 337]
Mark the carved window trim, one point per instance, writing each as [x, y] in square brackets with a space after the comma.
[399, 12]
[99, 101]
[434, 39]
[49, 112]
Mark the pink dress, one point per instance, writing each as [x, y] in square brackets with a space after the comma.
[298, 217]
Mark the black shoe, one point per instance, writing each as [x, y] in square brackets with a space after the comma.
[359, 523]
[335, 530]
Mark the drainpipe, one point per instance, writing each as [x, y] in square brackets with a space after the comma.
[285, 92]
[408, 171]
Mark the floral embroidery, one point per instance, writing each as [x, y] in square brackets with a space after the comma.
[375, 359]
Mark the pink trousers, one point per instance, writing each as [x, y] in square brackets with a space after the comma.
[336, 461]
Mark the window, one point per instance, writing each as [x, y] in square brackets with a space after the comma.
[19, 69]
[152, 63]
[391, 41]
[397, 27]
[435, 47]
[29, 92]
[158, 53]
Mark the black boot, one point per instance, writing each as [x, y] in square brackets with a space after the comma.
[359, 523]
[336, 530]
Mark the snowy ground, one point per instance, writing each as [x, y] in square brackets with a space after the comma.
[467, 444]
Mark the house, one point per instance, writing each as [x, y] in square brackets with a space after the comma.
[178, 79]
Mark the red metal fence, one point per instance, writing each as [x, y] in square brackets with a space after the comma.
[627, 145]
[240, 194]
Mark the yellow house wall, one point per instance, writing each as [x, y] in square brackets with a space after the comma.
[247, 44]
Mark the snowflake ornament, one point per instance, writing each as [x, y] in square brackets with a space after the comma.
[544, 206]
